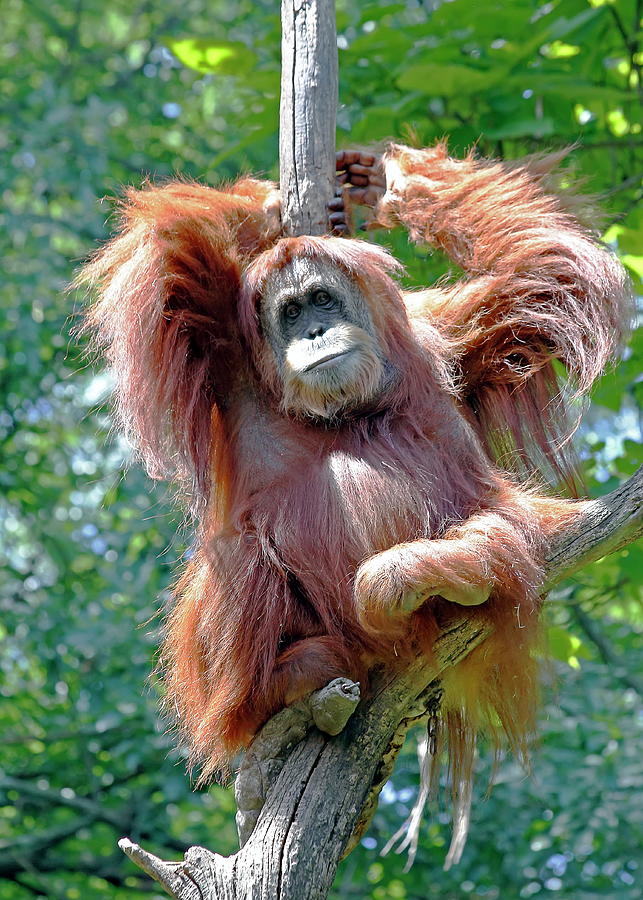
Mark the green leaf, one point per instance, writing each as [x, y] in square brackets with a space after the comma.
[564, 26]
[634, 264]
[574, 88]
[382, 42]
[377, 122]
[447, 80]
[528, 127]
[565, 646]
[633, 457]
[212, 55]
[374, 12]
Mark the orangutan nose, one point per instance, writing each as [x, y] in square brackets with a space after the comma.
[315, 330]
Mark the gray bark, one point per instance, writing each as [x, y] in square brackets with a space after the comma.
[316, 801]
[307, 115]
[608, 524]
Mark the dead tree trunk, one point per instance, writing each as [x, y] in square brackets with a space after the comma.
[307, 115]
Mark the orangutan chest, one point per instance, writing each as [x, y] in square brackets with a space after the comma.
[378, 500]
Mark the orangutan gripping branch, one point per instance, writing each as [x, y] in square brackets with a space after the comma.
[347, 446]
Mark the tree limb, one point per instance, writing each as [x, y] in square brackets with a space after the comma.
[312, 808]
[605, 526]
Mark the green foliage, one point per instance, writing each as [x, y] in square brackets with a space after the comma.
[220, 57]
[95, 96]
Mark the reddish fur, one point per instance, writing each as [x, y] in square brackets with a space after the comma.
[266, 608]
[539, 288]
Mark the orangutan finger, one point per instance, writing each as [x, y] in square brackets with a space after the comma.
[337, 218]
[345, 158]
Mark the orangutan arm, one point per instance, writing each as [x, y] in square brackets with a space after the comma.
[488, 554]
[165, 313]
[538, 287]
[535, 275]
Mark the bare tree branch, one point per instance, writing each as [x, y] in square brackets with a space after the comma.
[315, 803]
[606, 525]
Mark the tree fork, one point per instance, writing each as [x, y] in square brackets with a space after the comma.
[311, 810]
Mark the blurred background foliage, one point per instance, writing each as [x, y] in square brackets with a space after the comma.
[96, 95]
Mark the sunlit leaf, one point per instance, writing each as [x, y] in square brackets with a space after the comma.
[211, 55]
[565, 646]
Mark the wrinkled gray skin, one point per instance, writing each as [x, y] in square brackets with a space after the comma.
[328, 709]
[323, 339]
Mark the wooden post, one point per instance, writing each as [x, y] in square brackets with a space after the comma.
[307, 114]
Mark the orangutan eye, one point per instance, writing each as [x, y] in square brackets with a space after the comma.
[323, 299]
[292, 311]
